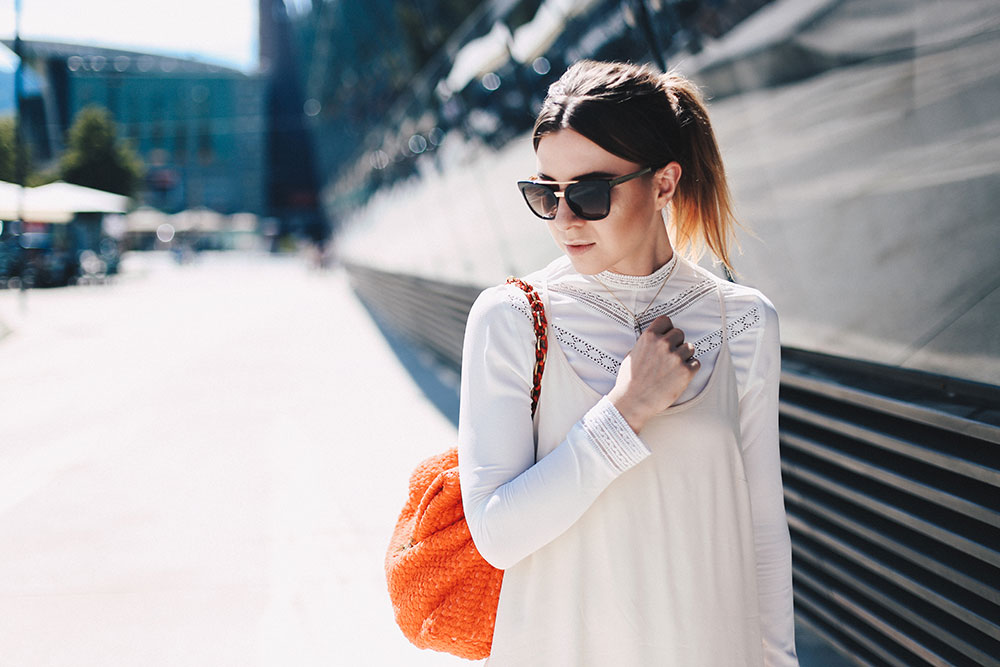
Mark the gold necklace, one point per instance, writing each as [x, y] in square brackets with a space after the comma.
[635, 317]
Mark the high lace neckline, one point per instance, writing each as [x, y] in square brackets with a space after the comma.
[623, 281]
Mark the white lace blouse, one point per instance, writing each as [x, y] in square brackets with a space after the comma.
[510, 517]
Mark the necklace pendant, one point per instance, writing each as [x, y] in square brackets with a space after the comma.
[638, 330]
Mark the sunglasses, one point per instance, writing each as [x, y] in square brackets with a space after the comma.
[589, 199]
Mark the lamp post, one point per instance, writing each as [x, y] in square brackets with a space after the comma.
[19, 155]
[18, 93]
[645, 22]
[19, 166]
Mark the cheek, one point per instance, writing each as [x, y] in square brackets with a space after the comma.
[551, 226]
[631, 200]
[617, 233]
[631, 216]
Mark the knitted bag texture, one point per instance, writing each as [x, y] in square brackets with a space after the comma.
[444, 594]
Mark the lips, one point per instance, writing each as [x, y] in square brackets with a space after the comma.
[578, 248]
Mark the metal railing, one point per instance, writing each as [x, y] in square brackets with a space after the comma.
[430, 313]
[892, 487]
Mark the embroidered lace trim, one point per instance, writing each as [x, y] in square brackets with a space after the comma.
[638, 282]
[610, 364]
[596, 302]
[598, 356]
[733, 329]
[615, 311]
[613, 437]
[679, 303]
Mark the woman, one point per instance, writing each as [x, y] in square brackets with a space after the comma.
[647, 525]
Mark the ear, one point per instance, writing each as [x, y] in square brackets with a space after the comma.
[665, 180]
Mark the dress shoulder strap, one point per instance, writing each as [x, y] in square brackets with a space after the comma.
[722, 305]
[722, 316]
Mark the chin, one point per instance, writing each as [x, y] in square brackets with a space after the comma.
[586, 266]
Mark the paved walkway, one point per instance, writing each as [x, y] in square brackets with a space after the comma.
[201, 465]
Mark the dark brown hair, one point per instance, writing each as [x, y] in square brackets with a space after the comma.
[652, 119]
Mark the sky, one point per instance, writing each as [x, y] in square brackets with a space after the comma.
[219, 31]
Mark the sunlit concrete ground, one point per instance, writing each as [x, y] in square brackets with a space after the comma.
[201, 465]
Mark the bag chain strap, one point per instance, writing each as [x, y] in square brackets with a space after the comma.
[541, 337]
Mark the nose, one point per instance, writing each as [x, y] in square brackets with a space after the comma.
[565, 217]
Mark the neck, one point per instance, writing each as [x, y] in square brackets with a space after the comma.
[623, 281]
[645, 266]
[652, 251]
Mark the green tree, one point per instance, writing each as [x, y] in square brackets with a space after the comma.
[94, 156]
[8, 162]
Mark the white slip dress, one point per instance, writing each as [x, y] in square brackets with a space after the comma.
[660, 570]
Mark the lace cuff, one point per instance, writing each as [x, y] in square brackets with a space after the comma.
[613, 437]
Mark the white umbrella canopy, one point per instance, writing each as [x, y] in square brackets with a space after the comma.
[198, 219]
[15, 203]
[243, 222]
[56, 202]
[145, 219]
[77, 198]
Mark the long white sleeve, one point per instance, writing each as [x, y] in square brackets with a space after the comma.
[759, 430]
[513, 505]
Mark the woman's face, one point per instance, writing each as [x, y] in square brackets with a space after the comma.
[632, 240]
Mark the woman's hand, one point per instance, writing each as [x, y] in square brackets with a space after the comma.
[654, 374]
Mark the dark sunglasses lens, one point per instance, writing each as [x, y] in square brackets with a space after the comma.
[541, 200]
[591, 200]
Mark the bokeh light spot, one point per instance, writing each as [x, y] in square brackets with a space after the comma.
[417, 144]
[491, 81]
[379, 160]
[165, 232]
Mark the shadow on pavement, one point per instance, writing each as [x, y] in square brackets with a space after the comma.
[438, 383]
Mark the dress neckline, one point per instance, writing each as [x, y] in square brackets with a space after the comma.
[623, 281]
[722, 360]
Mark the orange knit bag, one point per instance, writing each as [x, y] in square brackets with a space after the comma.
[444, 594]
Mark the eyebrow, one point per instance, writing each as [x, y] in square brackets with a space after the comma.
[581, 177]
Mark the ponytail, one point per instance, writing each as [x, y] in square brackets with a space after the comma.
[702, 207]
[652, 119]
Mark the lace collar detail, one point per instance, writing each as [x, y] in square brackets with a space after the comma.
[623, 281]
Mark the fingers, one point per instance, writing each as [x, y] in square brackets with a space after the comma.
[660, 325]
[675, 337]
[663, 327]
[688, 355]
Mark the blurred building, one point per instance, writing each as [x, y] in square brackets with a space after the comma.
[389, 81]
[355, 64]
[199, 128]
[292, 178]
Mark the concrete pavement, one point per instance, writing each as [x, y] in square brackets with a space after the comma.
[201, 465]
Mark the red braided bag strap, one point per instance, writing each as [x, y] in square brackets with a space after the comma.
[541, 337]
